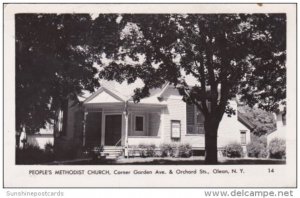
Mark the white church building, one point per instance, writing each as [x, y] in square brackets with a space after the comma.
[110, 118]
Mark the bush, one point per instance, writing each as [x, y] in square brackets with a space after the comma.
[254, 149]
[143, 150]
[277, 148]
[33, 154]
[147, 150]
[167, 150]
[157, 153]
[184, 150]
[133, 151]
[257, 147]
[94, 152]
[48, 148]
[260, 139]
[234, 150]
[150, 150]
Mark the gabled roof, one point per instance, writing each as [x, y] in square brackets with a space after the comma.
[111, 96]
[245, 121]
[165, 87]
[121, 92]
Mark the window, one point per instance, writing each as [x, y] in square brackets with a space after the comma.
[139, 123]
[199, 117]
[243, 137]
[195, 120]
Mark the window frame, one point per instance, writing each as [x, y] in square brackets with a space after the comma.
[144, 127]
[196, 124]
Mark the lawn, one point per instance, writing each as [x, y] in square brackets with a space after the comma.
[173, 161]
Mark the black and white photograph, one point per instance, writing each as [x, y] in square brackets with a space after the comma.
[122, 89]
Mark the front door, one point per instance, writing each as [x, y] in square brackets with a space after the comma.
[113, 129]
[93, 129]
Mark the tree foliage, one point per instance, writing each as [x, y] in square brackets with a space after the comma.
[55, 57]
[242, 54]
[227, 54]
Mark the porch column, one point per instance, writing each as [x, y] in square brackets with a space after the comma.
[84, 128]
[126, 128]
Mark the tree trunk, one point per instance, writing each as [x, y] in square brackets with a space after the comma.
[211, 141]
[55, 133]
[65, 106]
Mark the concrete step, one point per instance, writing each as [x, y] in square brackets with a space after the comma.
[112, 149]
[111, 157]
[118, 154]
[115, 147]
[112, 152]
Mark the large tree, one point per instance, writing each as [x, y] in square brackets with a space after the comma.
[55, 61]
[228, 55]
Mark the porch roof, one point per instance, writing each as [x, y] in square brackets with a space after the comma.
[112, 93]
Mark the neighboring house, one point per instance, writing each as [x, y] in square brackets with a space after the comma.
[280, 131]
[43, 137]
[109, 117]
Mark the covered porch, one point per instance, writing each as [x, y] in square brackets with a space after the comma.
[113, 121]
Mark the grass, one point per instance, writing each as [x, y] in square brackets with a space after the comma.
[176, 161]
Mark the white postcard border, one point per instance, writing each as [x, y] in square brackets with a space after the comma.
[254, 176]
